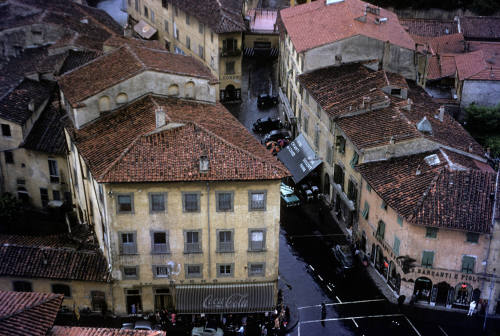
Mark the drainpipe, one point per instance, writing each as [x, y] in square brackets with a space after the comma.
[492, 284]
[208, 230]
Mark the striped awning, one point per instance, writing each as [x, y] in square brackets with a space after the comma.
[225, 298]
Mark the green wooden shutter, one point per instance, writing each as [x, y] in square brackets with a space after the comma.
[427, 259]
[354, 160]
[366, 210]
[468, 264]
[396, 245]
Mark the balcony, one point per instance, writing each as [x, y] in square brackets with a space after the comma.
[225, 52]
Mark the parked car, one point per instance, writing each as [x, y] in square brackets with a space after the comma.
[306, 193]
[275, 135]
[315, 191]
[140, 325]
[288, 196]
[210, 329]
[266, 125]
[343, 255]
[266, 100]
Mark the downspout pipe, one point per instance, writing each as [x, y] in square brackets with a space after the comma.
[208, 232]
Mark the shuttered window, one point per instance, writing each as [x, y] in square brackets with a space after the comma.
[468, 263]
[366, 211]
[380, 230]
[396, 246]
[427, 259]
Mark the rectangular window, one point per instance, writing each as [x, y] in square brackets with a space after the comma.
[331, 125]
[152, 16]
[338, 176]
[352, 191]
[136, 5]
[192, 242]
[159, 242]
[125, 203]
[383, 205]
[193, 271]
[366, 211]
[224, 201]
[472, 237]
[56, 195]
[128, 243]
[256, 269]
[395, 248]
[146, 12]
[340, 143]
[201, 28]
[44, 196]
[368, 187]
[160, 271]
[400, 221]
[329, 153]
[316, 137]
[53, 171]
[201, 51]
[6, 130]
[187, 19]
[468, 264]
[354, 160]
[130, 272]
[229, 68]
[431, 232]
[22, 286]
[188, 42]
[164, 4]
[380, 230]
[306, 123]
[257, 200]
[191, 202]
[257, 240]
[427, 259]
[212, 37]
[225, 241]
[9, 157]
[177, 35]
[157, 202]
[224, 270]
[61, 289]
[318, 111]
[166, 26]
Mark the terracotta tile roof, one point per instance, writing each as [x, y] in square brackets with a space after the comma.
[470, 64]
[376, 128]
[123, 63]
[55, 241]
[86, 331]
[222, 16]
[115, 145]
[441, 66]
[76, 58]
[116, 41]
[52, 263]
[460, 161]
[433, 195]
[340, 89]
[427, 27]
[447, 44]
[316, 24]
[28, 313]
[483, 28]
[47, 134]
[14, 104]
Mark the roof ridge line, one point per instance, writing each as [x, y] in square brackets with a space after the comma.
[136, 57]
[49, 298]
[89, 62]
[81, 9]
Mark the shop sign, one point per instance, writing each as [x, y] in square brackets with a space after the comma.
[231, 77]
[446, 275]
[234, 301]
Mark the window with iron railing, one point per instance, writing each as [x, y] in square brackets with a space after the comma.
[159, 242]
[192, 242]
[257, 240]
[128, 243]
[257, 200]
[225, 241]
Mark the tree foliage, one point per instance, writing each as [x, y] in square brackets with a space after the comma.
[483, 123]
[10, 210]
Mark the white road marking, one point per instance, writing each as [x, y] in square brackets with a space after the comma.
[311, 267]
[444, 332]
[329, 288]
[354, 317]
[338, 299]
[419, 334]
[343, 303]
[298, 330]
[354, 321]
[319, 276]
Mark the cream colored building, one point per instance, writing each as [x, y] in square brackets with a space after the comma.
[210, 31]
[184, 202]
[426, 225]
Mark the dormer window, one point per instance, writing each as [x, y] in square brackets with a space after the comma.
[396, 92]
[204, 164]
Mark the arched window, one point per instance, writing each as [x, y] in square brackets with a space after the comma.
[104, 104]
[121, 98]
[173, 90]
[61, 289]
[189, 89]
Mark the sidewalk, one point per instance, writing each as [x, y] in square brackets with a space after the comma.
[289, 300]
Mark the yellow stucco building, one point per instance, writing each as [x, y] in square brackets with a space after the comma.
[210, 31]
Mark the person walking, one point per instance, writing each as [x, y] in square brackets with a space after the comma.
[472, 307]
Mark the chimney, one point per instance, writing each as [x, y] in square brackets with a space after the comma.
[31, 105]
[204, 164]
[160, 117]
[418, 171]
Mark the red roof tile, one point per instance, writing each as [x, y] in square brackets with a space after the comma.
[52, 263]
[86, 331]
[123, 63]
[36, 241]
[435, 195]
[31, 314]
[316, 24]
[484, 28]
[115, 145]
[428, 27]
[441, 66]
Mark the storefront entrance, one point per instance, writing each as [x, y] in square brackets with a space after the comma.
[133, 301]
[463, 295]
[163, 299]
[422, 290]
[442, 293]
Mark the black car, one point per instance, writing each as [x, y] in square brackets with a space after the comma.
[266, 100]
[276, 135]
[265, 125]
[343, 256]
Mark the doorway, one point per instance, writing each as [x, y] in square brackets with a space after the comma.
[442, 293]
[133, 300]
[163, 299]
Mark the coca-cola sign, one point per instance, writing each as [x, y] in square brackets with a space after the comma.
[233, 301]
